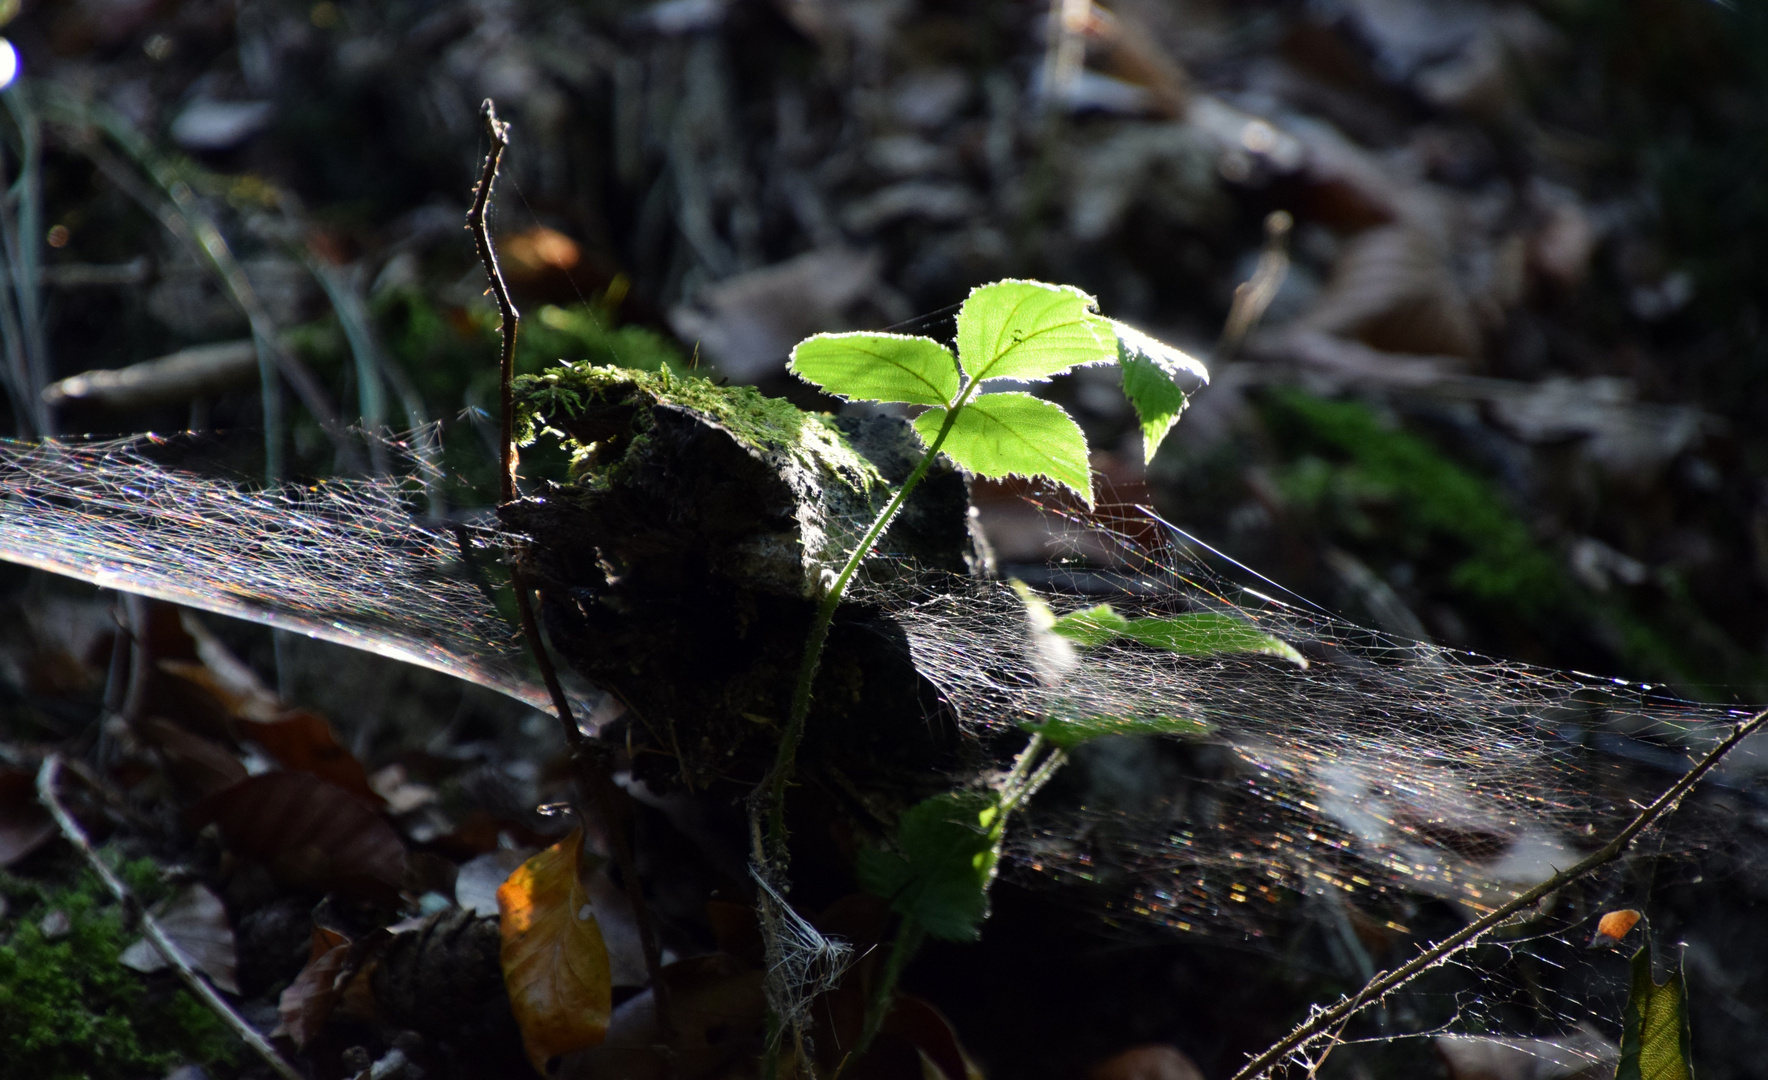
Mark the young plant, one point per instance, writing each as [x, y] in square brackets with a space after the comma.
[1025, 331]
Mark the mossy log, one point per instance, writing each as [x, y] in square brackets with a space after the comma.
[681, 565]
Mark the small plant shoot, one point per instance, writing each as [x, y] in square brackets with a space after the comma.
[1024, 331]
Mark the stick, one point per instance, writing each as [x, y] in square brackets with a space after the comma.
[169, 949]
[1315, 1026]
[590, 758]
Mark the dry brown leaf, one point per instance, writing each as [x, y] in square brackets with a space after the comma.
[24, 824]
[196, 921]
[1392, 289]
[199, 767]
[305, 742]
[309, 833]
[1156, 1061]
[229, 672]
[309, 1000]
[554, 962]
[916, 1022]
[190, 693]
[717, 1007]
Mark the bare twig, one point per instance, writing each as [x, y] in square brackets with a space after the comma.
[1322, 1022]
[591, 757]
[1254, 295]
[168, 948]
[499, 133]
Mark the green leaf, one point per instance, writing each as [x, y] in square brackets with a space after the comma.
[1014, 434]
[1654, 1031]
[1030, 330]
[1157, 400]
[1211, 633]
[1199, 633]
[1068, 732]
[1176, 364]
[949, 847]
[1096, 625]
[878, 367]
[1150, 370]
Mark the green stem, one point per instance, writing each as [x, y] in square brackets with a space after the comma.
[770, 796]
[774, 786]
[908, 941]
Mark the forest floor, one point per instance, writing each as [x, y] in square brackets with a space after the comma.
[1493, 380]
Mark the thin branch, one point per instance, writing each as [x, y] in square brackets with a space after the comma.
[499, 133]
[168, 948]
[590, 757]
[1318, 1025]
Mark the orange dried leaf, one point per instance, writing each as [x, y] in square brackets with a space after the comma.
[309, 1000]
[555, 964]
[305, 742]
[1614, 925]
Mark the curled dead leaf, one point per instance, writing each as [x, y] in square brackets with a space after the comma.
[196, 921]
[555, 964]
[1613, 926]
[717, 1006]
[198, 766]
[308, 833]
[310, 999]
[305, 742]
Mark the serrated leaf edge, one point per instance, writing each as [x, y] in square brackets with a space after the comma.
[1090, 317]
[792, 362]
[1086, 495]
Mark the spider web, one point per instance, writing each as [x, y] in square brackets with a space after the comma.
[346, 561]
[1355, 792]
[1383, 793]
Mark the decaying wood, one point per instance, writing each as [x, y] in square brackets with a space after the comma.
[737, 522]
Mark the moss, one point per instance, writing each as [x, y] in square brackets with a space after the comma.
[762, 424]
[1379, 470]
[68, 1008]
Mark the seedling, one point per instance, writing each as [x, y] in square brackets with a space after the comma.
[1024, 331]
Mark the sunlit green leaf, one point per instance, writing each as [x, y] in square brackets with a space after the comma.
[1198, 633]
[878, 367]
[1654, 1028]
[1068, 732]
[1014, 434]
[1094, 626]
[1030, 330]
[947, 850]
[1158, 402]
[1151, 369]
[1176, 364]
[1211, 633]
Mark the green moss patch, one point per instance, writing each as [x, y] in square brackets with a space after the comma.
[761, 424]
[69, 1009]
